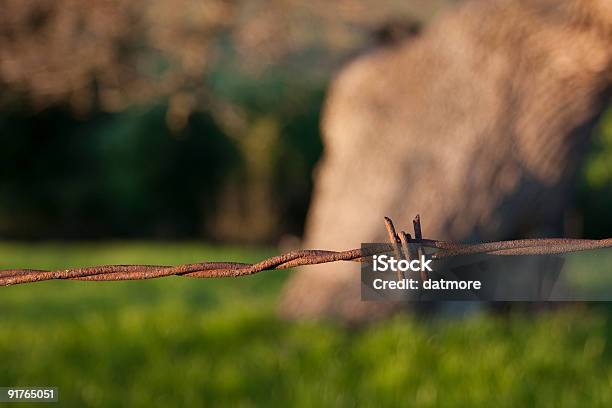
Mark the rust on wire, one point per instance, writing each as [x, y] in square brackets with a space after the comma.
[418, 235]
[399, 244]
[393, 238]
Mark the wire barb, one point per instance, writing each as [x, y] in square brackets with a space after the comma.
[443, 249]
[419, 238]
[394, 239]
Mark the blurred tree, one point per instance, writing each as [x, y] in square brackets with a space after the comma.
[247, 63]
[121, 174]
[479, 124]
[112, 53]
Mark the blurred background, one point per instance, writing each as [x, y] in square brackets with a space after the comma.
[157, 119]
[165, 132]
[170, 120]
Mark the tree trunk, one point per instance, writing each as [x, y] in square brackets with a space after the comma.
[478, 125]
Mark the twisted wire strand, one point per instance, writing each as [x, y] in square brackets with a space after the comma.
[292, 259]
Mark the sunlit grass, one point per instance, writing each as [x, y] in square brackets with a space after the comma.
[181, 342]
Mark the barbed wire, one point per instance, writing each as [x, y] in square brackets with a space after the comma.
[402, 244]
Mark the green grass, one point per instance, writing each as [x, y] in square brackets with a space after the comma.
[182, 342]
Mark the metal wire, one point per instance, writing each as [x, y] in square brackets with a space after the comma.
[403, 242]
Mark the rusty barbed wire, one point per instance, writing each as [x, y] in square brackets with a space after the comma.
[402, 244]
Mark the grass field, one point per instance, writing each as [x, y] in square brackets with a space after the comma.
[182, 342]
